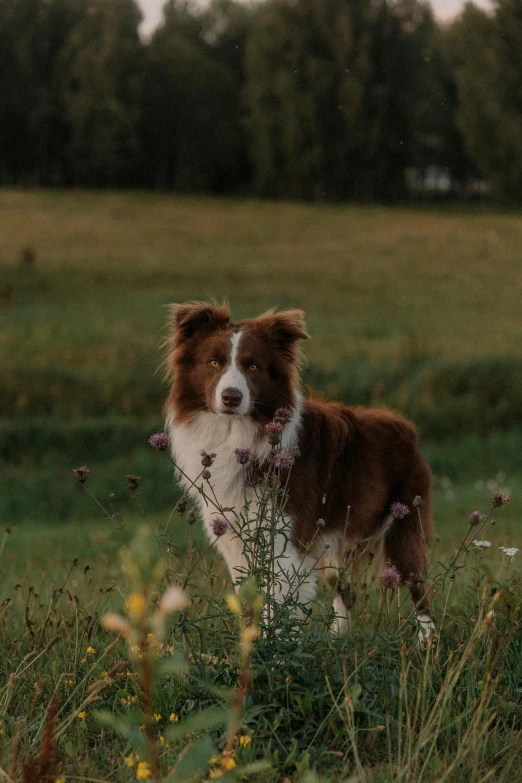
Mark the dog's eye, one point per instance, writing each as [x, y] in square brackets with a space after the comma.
[214, 363]
[253, 366]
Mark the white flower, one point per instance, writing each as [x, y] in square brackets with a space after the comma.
[481, 544]
[509, 551]
[172, 600]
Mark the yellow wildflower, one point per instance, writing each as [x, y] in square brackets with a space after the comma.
[162, 739]
[136, 605]
[173, 717]
[245, 740]
[61, 779]
[69, 683]
[81, 715]
[90, 650]
[157, 717]
[228, 763]
[215, 773]
[131, 759]
[83, 660]
[233, 603]
[143, 771]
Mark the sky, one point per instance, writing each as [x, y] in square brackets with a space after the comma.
[444, 9]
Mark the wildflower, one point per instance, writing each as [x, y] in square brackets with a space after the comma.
[215, 773]
[249, 635]
[320, 523]
[481, 544]
[181, 505]
[283, 415]
[233, 603]
[173, 718]
[509, 551]
[69, 683]
[243, 455]
[115, 623]
[283, 460]
[83, 660]
[219, 526]
[227, 762]
[143, 771]
[157, 717]
[133, 481]
[418, 501]
[61, 779]
[207, 459]
[206, 474]
[136, 605]
[161, 739]
[476, 518]
[499, 498]
[81, 715]
[82, 473]
[390, 578]
[274, 426]
[90, 650]
[399, 510]
[172, 600]
[159, 440]
[131, 759]
[191, 516]
[245, 740]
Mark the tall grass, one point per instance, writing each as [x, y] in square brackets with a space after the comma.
[224, 689]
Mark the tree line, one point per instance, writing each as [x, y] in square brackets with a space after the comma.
[329, 100]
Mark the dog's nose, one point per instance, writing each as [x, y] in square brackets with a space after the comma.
[231, 397]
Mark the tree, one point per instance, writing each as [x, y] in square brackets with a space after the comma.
[487, 55]
[332, 90]
[101, 68]
[191, 133]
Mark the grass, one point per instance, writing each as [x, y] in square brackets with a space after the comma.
[408, 307]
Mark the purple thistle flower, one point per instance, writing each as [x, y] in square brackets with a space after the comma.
[243, 455]
[159, 440]
[476, 518]
[283, 415]
[219, 526]
[399, 510]
[82, 473]
[274, 426]
[390, 578]
[283, 460]
[499, 498]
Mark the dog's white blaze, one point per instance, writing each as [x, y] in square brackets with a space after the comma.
[233, 378]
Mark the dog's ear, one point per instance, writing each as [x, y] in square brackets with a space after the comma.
[286, 327]
[187, 319]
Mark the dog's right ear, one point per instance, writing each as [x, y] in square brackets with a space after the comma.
[187, 319]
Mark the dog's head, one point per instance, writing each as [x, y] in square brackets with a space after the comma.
[247, 368]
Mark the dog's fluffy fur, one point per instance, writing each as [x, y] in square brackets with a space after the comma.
[228, 378]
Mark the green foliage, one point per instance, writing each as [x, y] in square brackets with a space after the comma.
[486, 51]
[318, 101]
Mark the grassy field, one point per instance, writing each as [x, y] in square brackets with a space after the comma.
[413, 308]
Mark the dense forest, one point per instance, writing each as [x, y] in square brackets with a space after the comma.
[329, 100]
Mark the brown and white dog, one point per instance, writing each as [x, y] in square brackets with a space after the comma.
[228, 379]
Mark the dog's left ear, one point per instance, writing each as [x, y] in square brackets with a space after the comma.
[286, 327]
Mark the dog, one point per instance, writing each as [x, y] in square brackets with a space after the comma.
[355, 476]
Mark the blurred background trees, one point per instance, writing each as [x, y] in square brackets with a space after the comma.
[342, 99]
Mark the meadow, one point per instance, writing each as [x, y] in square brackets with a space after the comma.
[415, 308]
